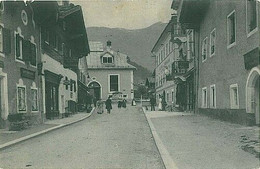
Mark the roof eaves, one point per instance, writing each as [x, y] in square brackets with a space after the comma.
[166, 29]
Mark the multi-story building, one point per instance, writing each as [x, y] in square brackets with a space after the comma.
[20, 90]
[110, 72]
[163, 51]
[174, 53]
[63, 42]
[227, 56]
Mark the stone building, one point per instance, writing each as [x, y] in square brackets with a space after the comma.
[109, 72]
[227, 56]
[20, 90]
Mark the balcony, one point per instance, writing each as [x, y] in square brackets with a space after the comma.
[178, 35]
[179, 68]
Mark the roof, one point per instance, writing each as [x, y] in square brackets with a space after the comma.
[166, 30]
[66, 10]
[97, 51]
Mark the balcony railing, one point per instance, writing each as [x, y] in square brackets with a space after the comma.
[178, 34]
[179, 68]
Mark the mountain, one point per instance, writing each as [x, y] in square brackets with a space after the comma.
[137, 43]
[140, 74]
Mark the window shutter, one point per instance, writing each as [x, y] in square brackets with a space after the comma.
[33, 54]
[26, 50]
[67, 86]
[17, 45]
[6, 41]
[75, 88]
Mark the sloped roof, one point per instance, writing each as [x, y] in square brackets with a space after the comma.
[94, 58]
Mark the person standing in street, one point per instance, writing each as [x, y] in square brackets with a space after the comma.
[152, 102]
[160, 103]
[124, 103]
[108, 104]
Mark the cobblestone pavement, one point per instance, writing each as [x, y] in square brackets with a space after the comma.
[199, 142]
[121, 139]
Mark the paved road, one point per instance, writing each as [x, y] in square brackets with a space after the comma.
[121, 139]
[198, 142]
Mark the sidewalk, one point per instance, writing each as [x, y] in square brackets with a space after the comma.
[186, 140]
[9, 138]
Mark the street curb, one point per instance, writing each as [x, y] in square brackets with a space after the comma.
[16, 141]
[166, 158]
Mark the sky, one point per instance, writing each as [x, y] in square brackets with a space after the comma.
[128, 14]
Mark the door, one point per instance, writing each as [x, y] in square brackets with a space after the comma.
[97, 92]
[255, 105]
[52, 102]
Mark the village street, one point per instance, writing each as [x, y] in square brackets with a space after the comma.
[121, 139]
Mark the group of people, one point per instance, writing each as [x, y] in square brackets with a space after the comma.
[121, 103]
[108, 104]
[161, 103]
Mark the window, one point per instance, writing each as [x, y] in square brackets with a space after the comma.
[234, 100]
[107, 59]
[212, 42]
[251, 15]
[231, 29]
[75, 87]
[204, 49]
[34, 94]
[212, 96]
[125, 96]
[1, 39]
[204, 97]
[71, 85]
[190, 41]
[33, 54]
[167, 49]
[114, 80]
[18, 46]
[21, 98]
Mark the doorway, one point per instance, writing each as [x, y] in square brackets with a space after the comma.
[252, 90]
[52, 102]
[95, 89]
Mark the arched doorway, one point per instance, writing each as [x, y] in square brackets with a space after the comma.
[252, 93]
[95, 89]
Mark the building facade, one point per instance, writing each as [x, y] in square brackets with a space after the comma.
[164, 51]
[19, 56]
[174, 78]
[63, 43]
[227, 56]
[109, 72]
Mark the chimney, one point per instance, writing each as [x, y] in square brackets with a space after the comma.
[109, 43]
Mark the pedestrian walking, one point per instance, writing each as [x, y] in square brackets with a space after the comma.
[160, 103]
[108, 104]
[124, 103]
[133, 102]
[152, 102]
[119, 104]
[99, 107]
